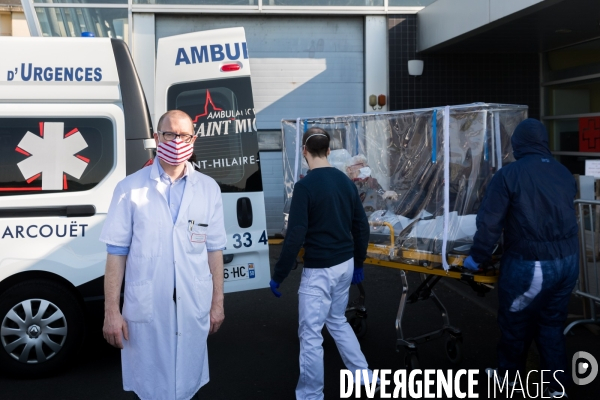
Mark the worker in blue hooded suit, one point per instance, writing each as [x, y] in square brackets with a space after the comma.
[531, 202]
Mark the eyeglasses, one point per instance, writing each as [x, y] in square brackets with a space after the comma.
[168, 136]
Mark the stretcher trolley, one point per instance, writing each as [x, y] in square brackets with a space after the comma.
[421, 176]
[427, 264]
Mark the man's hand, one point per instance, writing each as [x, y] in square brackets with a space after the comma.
[114, 328]
[358, 276]
[217, 316]
[274, 286]
[217, 310]
[470, 264]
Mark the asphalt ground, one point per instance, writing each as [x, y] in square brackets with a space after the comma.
[255, 354]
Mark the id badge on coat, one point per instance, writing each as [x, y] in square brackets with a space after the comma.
[198, 237]
[197, 233]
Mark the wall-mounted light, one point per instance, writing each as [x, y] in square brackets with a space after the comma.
[415, 67]
[377, 102]
[373, 101]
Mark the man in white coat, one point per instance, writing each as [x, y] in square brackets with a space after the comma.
[165, 234]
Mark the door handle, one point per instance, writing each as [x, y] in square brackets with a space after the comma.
[244, 212]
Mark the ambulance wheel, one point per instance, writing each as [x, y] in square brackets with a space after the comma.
[42, 328]
[359, 326]
[454, 350]
[411, 361]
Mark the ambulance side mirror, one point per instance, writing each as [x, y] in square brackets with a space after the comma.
[149, 144]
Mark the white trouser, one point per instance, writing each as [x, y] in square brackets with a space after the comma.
[323, 296]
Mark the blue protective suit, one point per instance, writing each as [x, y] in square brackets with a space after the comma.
[531, 201]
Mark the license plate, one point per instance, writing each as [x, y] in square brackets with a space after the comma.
[238, 272]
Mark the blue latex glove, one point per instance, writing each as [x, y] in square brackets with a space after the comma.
[274, 286]
[358, 276]
[470, 264]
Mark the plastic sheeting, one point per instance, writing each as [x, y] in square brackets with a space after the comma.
[423, 171]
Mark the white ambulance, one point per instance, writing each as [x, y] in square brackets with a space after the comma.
[73, 123]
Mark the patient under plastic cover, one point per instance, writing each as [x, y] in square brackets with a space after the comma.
[399, 161]
[372, 195]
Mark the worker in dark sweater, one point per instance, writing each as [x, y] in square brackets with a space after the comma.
[327, 217]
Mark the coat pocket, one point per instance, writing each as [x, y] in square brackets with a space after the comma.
[138, 302]
[204, 289]
[197, 238]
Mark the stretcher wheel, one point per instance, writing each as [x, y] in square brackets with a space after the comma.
[359, 326]
[454, 350]
[411, 361]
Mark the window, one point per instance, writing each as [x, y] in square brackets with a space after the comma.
[336, 3]
[48, 155]
[227, 145]
[203, 3]
[571, 99]
[71, 22]
[581, 97]
[76, 2]
[269, 140]
[410, 3]
[584, 54]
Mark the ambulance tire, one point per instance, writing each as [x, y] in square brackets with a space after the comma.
[49, 353]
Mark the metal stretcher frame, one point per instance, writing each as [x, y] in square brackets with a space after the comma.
[423, 292]
[430, 277]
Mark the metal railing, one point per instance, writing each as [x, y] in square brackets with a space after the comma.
[588, 285]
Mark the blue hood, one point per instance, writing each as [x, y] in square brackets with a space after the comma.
[530, 137]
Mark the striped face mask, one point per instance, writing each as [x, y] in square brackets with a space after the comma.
[174, 152]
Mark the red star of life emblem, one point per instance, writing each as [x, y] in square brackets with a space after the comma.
[209, 100]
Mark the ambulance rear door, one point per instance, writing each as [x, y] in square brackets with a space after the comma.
[207, 75]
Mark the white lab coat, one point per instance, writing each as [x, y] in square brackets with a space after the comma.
[165, 357]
